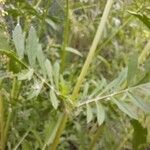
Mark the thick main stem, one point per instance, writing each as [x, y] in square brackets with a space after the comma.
[92, 49]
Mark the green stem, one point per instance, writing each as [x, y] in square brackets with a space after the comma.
[13, 97]
[59, 131]
[2, 124]
[95, 138]
[66, 37]
[92, 49]
[84, 70]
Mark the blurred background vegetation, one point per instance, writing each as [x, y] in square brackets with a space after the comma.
[126, 33]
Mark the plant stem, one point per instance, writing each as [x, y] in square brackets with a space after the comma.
[66, 37]
[95, 138]
[13, 96]
[84, 70]
[59, 131]
[92, 49]
[2, 124]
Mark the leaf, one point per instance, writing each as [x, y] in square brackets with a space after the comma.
[72, 50]
[32, 46]
[124, 107]
[49, 70]
[36, 89]
[54, 99]
[56, 70]
[89, 113]
[85, 90]
[132, 67]
[116, 82]
[100, 113]
[139, 103]
[53, 130]
[140, 133]
[26, 74]
[142, 17]
[41, 59]
[18, 39]
[52, 24]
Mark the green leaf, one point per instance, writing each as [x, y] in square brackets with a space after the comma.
[72, 50]
[100, 113]
[18, 39]
[25, 74]
[32, 46]
[124, 107]
[132, 68]
[36, 89]
[41, 59]
[138, 102]
[115, 84]
[142, 17]
[140, 133]
[56, 70]
[89, 113]
[49, 70]
[52, 24]
[54, 99]
[85, 90]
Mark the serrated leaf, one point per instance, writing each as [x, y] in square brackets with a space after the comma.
[100, 113]
[32, 46]
[139, 103]
[89, 113]
[124, 107]
[54, 99]
[18, 39]
[56, 70]
[41, 59]
[132, 68]
[49, 70]
[26, 74]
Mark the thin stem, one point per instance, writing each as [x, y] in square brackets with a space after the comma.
[110, 95]
[2, 124]
[92, 49]
[66, 37]
[14, 95]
